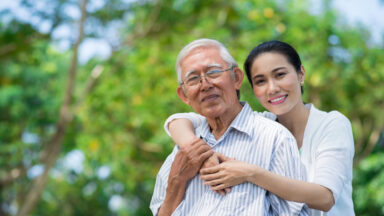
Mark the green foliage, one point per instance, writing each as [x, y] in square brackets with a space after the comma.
[119, 126]
[368, 191]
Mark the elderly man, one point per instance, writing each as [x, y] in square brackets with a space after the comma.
[209, 81]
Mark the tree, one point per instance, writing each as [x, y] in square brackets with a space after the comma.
[118, 127]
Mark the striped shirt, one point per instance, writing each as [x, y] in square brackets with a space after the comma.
[250, 138]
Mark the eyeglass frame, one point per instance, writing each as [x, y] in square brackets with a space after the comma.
[182, 83]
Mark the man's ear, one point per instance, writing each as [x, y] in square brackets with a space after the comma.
[182, 96]
[238, 78]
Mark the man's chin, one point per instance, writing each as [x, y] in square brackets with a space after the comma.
[211, 113]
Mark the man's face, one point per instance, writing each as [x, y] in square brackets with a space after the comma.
[214, 97]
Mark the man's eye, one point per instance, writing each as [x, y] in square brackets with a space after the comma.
[193, 78]
[213, 73]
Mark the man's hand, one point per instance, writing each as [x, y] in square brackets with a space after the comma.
[185, 166]
[189, 160]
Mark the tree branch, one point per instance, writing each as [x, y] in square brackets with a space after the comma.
[54, 144]
[139, 32]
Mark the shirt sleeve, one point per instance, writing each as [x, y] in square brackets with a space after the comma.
[158, 195]
[334, 155]
[286, 162]
[194, 118]
[162, 183]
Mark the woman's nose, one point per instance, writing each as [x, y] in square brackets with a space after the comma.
[273, 87]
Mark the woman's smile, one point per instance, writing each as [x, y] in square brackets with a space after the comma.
[278, 99]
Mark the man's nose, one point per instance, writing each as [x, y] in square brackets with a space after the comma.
[205, 83]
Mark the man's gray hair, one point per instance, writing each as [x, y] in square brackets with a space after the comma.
[204, 42]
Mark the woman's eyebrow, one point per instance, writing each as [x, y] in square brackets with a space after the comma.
[258, 76]
[277, 69]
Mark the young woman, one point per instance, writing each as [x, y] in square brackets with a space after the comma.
[325, 140]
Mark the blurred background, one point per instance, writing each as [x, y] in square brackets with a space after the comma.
[85, 87]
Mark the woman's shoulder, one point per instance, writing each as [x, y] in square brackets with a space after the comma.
[267, 115]
[332, 122]
[327, 130]
[324, 117]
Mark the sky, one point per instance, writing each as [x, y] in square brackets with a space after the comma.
[368, 12]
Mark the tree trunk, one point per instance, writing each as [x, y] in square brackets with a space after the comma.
[65, 117]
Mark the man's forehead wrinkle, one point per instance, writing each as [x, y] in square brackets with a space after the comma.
[211, 65]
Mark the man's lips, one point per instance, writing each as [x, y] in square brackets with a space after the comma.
[210, 97]
[278, 99]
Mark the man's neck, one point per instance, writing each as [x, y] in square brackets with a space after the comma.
[220, 123]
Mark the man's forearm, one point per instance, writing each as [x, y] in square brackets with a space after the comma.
[174, 196]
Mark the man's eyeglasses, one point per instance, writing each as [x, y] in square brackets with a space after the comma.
[194, 80]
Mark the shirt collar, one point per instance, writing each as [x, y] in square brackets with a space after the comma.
[241, 123]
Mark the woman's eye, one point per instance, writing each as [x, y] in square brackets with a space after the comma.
[281, 74]
[258, 82]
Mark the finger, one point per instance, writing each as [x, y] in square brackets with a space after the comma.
[221, 192]
[214, 182]
[200, 149]
[205, 155]
[195, 142]
[218, 187]
[209, 177]
[199, 141]
[211, 161]
[214, 159]
[210, 170]
[227, 190]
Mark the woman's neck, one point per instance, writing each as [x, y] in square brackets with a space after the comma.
[295, 121]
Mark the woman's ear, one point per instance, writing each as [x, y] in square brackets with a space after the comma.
[302, 75]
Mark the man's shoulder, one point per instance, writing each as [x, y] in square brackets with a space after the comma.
[264, 123]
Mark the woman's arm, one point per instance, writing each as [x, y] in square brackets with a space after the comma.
[233, 172]
[180, 127]
[181, 131]
[314, 195]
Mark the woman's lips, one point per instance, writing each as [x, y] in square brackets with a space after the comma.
[278, 99]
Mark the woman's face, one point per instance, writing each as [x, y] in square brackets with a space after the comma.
[276, 83]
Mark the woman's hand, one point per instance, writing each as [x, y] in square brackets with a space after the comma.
[228, 173]
[213, 161]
